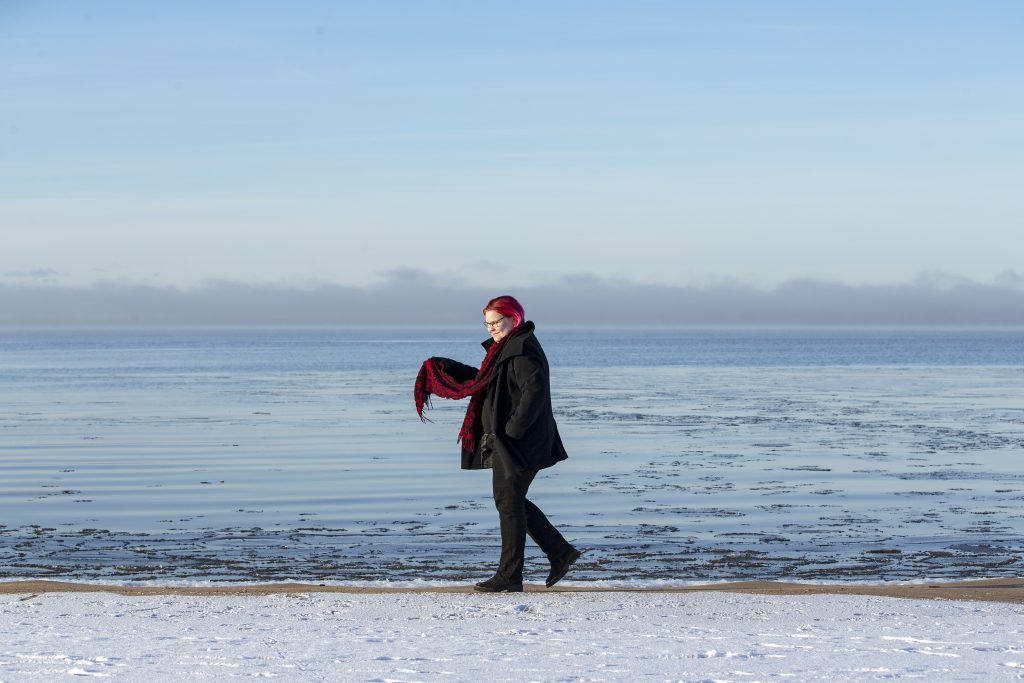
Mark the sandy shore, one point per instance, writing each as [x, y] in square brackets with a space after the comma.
[993, 590]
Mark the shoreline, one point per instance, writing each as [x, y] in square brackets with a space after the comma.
[1007, 590]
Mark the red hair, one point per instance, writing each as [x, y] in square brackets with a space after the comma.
[507, 306]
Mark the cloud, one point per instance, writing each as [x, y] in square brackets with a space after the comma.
[37, 274]
[409, 296]
[1010, 278]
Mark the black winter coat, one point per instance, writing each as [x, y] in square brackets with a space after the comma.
[519, 403]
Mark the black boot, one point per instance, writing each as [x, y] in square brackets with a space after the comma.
[498, 584]
[560, 568]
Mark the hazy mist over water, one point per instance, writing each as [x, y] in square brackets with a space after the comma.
[413, 297]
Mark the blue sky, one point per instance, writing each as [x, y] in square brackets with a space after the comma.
[510, 144]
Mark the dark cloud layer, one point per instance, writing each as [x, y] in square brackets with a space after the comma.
[414, 297]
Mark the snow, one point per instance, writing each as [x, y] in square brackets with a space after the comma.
[603, 636]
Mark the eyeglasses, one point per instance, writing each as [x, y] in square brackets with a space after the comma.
[492, 323]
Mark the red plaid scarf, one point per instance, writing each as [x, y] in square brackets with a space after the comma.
[432, 379]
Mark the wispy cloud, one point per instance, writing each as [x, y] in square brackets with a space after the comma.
[410, 296]
[1010, 278]
[47, 274]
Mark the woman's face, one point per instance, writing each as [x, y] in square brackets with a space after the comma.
[498, 325]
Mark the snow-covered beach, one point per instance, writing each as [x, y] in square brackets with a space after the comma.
[570, 635]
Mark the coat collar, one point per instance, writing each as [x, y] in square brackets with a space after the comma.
[514, 347]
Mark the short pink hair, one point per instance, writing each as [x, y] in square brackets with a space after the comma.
[507, 306]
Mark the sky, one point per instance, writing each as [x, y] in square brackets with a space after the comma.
[504, 146]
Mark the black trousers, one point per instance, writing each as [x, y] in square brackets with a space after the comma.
[518, 517]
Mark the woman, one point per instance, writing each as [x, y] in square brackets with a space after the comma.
[509, 427]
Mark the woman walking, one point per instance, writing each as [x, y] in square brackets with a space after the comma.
[509, 427]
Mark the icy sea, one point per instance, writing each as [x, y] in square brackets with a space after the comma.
[202, 455]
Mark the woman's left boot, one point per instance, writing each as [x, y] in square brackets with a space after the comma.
[560, 567]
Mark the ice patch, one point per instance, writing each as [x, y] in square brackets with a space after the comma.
[82, 672]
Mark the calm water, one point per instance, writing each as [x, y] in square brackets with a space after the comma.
[180, 455]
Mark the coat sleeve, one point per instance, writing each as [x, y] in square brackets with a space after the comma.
[533, 390]
[459, 371]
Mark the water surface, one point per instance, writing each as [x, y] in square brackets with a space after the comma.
[694, 455]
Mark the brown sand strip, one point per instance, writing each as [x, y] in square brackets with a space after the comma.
[993, 590]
